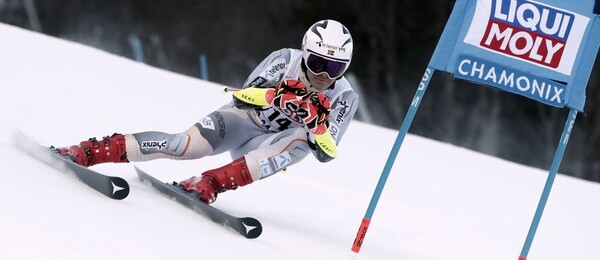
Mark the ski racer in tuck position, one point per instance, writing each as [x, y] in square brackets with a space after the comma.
[296, 102]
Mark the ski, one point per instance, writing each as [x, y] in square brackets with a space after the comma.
[247, 227]
[112, 187]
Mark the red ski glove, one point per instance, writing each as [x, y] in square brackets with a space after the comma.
[313, 108]
[289, 94]
[315, 112]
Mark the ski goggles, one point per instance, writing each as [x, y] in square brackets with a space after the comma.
[318, 65]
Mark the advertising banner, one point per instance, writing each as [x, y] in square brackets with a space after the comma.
[543, 50]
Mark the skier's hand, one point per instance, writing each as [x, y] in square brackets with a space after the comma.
[289, 94]
[320, 139]
[313, 108]
[291, 86]
[324, 146]
[315, 112]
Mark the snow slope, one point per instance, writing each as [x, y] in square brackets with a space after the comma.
[440, 202]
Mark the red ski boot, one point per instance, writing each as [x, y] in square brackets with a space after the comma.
[92, 151]
[213, 182]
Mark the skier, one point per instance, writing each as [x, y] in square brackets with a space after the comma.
[294, 103]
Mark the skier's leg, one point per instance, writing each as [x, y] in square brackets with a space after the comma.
[147, 146]
[264, 156]
[222, 130]
[215, 181]
[269, 154]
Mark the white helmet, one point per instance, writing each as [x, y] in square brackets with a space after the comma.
[327, 48]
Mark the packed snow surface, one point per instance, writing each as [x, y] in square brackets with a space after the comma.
[440, 201]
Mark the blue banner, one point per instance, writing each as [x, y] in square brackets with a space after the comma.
[543, 50]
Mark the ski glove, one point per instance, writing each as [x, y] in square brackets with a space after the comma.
[288, 94]
[312, 108]
[315, 112]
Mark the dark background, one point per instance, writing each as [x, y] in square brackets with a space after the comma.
[393, 42]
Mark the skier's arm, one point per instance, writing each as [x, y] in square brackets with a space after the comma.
[324, 143]
[343, 109]
[266, 75]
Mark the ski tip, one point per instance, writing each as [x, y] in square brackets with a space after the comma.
[141, 174]
[253, 227]
[120, 188]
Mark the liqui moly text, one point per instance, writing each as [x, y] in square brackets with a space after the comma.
[528, 30]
